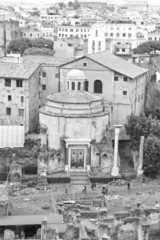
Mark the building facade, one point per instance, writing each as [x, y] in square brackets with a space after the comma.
[19, 94]
[117, 32]
[120, 82]
[74, 122]
[73, 31]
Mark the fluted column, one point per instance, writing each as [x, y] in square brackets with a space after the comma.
[115, 169]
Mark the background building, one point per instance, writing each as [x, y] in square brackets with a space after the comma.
[19, 94]
[120, 82]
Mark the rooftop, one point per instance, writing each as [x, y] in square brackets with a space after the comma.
[74, 97]
[17, 70]
[117, 64]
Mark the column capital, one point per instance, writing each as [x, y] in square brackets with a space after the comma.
[117, 128]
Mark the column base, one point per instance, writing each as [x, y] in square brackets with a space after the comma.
[139, 172]
[88, 168]
[66, 168]
[115, 172]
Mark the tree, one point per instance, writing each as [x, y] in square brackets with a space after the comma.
[39, 51]
[21, 44]
[61, 5]
[136, 127]
[153, 100]
[70, 4]
[151, 154]
[148, 127]
[147, 47]
[42, 43]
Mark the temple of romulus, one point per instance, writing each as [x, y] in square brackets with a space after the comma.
[75, 123]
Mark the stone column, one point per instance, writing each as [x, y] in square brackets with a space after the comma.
[140, 167]
[115, 169]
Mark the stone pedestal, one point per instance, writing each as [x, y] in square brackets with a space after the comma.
[115, 169]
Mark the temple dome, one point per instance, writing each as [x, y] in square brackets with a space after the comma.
[75, 104]
[74, 97]
[75, 74]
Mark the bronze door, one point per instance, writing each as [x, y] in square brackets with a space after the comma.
[77, 158]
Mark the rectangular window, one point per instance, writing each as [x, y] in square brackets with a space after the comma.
[19, 83]
[9, 98]
[129, 35]
[117, 34]
[77, 30]
[125, 93]
[7, 82]
[22, 99]
[44, 74]
[115, 78]
[71, 30]
[59, 35]
[8, 111]
[125, 79]
[43, 87]
[123, 49]
[85, 64]
[21, 112]
[111, 34]
[124, 34]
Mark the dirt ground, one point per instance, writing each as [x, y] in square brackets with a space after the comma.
[118, 197]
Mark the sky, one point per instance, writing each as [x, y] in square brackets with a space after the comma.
[152, 2]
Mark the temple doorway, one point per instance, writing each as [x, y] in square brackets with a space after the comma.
[77, 154]
[77, 158]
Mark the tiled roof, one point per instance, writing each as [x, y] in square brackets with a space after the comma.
[117, 64]
[17, 70]
[74, 97]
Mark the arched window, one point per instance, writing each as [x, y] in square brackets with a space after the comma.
[73, 85]
[86, 85]
[97, 86]
[79, 86]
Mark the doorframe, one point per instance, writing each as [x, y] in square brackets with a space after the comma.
[69, 158]
[78, 143]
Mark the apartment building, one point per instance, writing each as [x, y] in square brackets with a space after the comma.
[19, 94]
[118, 32]
[154, 35]
[31, 33]
[67, 31]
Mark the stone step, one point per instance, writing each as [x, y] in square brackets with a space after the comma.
[78, 173]
[72, 182]
[79, 178]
